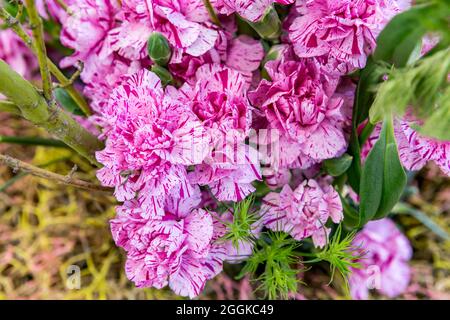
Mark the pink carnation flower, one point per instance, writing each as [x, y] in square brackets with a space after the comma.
[86, 31]
[180, 250]
[185, 23]
[152, 137]
[303, 212]
[385, 262]
[299, 101]
[414, 149]
[15, 53]
[252, 10]
[105, 80]
[219, 101]
[341, 31]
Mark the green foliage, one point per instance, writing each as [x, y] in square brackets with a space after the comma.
[424, 86]
[370, 76]
[338, 166]
[383, 177]
[244, 219]
[402, 36]
[276, 255]
[341, 254]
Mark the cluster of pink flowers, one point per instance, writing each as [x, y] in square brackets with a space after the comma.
[385, 261]
[173, 150]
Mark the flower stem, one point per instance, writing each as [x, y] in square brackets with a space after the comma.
[212, 13]
[41, 51]
[33, 141]
[16, 164]
[14, 24]
[36, 109]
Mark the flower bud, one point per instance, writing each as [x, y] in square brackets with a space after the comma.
[269, 27]
[163, 74]
[158, 49]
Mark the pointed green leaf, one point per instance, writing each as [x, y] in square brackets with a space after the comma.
[338, 166]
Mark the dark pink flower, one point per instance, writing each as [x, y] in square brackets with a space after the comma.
[219, 100]
[300, 102]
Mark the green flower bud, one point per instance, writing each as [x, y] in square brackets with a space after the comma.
[158, 49]
[269, 27]
[163, 74]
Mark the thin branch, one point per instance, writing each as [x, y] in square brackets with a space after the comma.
[33, 141]
[14, 24]
[212, 13]
[18, 165]
[9, 107]
[41, 51]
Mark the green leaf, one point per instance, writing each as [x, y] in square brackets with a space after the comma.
[399, 39]
[338, 166]
[394, 181]
[364, 97]
[66, 101]
[351, 215]
[383, 177]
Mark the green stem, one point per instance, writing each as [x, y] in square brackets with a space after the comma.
[41, 51]
[14, 24]
[212, 13]
[33, 141]
[48, 116]
[9, 107]
[365, 134]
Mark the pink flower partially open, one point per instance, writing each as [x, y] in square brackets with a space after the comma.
[342, 31]
[252, 10]
[151, 138]
[303, 212]
[299, 101]
[185, 23]
[180, 250]
[385, 261]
